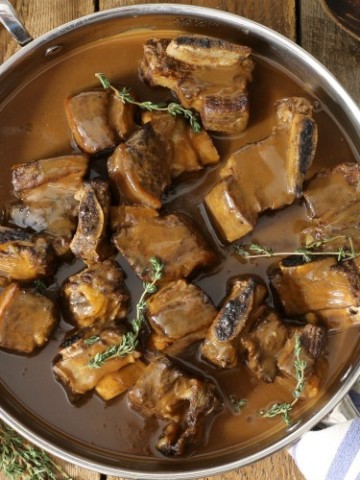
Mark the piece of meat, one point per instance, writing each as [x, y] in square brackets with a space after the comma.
[236, 316]
[332, 190]
[341, 227]
[175, 349]
[60, 245]
[312, 342]
[141, 233]
[43, 219]
[186, 151]
[176, 311]
[158, 69]
[138, 169]
[46, 190]
[62, 172]
[26, 319]
[332, 200]
[318, 286]
[205, 51]
[267, 175]
[335, 318]
[295, 115]
[263, 343]
[315, 379]
[209, 75]
[121, 117]
[114, 384]
[166, 392]
[96, 294]
[24, 257]
[88, 120]
[90, 241]
[270, 346]
[8, 234]
[72, 367]
[231, 214]
[98, 120]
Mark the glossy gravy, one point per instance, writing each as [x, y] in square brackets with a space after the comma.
[33, 125]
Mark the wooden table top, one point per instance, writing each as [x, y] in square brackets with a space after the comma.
[302, 21]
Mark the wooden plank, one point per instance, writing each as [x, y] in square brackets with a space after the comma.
[69, 469]
[78, 473]
[279, 15]
[279, 466]
[74, 472]
[335, 48]
[39, 17]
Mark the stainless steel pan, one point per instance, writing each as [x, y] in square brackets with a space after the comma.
[50, 48]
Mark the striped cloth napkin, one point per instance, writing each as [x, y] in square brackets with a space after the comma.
[333, 453]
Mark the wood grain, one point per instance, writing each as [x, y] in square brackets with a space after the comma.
[279, 15]
[279, 466]
[74, 472]
[39, 17]
[335, 48]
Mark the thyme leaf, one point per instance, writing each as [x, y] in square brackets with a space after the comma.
[300, 367]
[276, 409]
[173, 108]
[284, 409]
[306, 252]
[91, 340]
[127, 345]
[260, 250]
[40, 286]
[129, 341]
[237, 405]
[19, 460]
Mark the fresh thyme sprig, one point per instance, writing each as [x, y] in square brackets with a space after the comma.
[91, 340]
[173, 108]
[276, 409]
[285, 409]
[130, 339]
[19, 460]
[237, 405]
[306, 252]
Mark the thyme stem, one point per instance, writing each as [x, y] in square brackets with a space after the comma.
[306, 252]
[130, 339]
[19, 460]
[284, 409]
[237, 405]
[173, 108]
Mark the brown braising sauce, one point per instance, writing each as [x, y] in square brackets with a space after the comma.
[33, 125]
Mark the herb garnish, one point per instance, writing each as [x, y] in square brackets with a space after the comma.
[19, 460]
[91, 340]
[284, 409]
[130, 339]
[237, 405]
[306, 252]
[173, 108]
[40, 286]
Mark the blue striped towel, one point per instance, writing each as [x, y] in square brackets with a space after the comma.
[332, 453]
